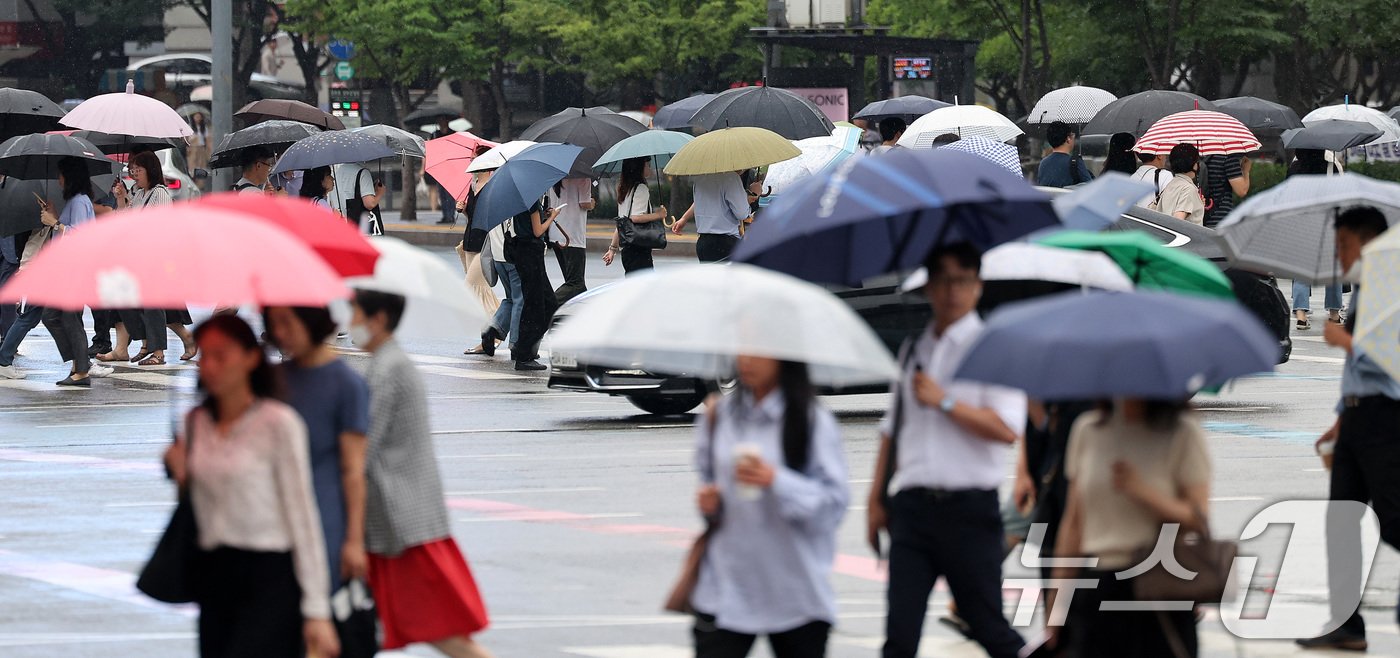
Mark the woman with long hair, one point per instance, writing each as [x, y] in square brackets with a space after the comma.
[773, 474]
[66, 327]
[316, 186]
[525, 248]
[197, 149]
[243, 455]
[1120, 155]
[634, 201]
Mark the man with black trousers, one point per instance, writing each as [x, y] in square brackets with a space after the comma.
[1365, 444]
[943, 453]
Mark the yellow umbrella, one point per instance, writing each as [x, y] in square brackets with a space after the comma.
[731, 149]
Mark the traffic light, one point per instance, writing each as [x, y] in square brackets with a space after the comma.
[345, 103]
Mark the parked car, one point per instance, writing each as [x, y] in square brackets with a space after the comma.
[186, 71]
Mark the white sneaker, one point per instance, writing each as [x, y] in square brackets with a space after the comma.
[99, 370]
[11, 372]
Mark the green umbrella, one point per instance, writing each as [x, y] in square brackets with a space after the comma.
[658, 144]
[1149, 264]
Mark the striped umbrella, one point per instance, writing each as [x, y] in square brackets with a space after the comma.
[1001, 153]
[1213, 133]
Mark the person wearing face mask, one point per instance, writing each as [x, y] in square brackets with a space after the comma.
[1181, 198]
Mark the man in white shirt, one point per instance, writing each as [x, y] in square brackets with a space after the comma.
[948, 442]
[257, 167]
[569, 235]
[1152, 168]
[357, 196]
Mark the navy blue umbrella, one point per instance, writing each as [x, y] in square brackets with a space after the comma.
[1085, 346]
[905, 107]
[871, 216]
[521, 181]
[678, 115]
[330, 148]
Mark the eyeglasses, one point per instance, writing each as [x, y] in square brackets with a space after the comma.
[267, 164]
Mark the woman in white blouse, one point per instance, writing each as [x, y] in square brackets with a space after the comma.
[264, 587]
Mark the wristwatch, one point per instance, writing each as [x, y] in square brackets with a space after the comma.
[946, 406]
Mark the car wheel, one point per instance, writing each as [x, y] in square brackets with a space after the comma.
[667, 405]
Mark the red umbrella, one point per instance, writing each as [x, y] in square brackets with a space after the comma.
[328, 234]
[223, 258]
[1213, 133]
[447, 160]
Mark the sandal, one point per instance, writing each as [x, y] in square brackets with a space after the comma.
[113, 356]
[152, 360]
[141, 356]
[475, 351]
[190, 355]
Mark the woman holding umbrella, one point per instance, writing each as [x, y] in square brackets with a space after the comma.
[526, 249]
[633, 201]
[66, 327]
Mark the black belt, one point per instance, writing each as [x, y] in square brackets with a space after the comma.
[946, 495]
[1362, 401]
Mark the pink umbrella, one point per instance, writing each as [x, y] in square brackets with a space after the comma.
[127, 113]
[224, 258]
[447, 160]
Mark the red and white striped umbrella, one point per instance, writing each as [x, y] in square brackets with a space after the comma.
[1212, 133]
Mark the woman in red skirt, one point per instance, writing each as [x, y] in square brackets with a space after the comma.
[421, 583]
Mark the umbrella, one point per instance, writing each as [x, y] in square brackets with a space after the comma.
[438, 303]
[1023, 261]
[288, 110]
[430, 114]
[521, 181]
[190, 109]
[596, 129]
[1378, 310]
[446, 159]
[1136, 113]
[273, 135]
[1287, 229]
[679, 115]
[1003, 154]
[1149, 264]
[658, 144]
[731, 149]
[113, 144]
[1390, 130]
[726, 311]
[1094, 346]
[203, 93]
[1212, 133]
[960, 120]
[336, 241]
[778, 110]
[497, 156]
[401, 141]
[1331, 135]
[35, 157]
[19, 212]
[23, 112]
[1394, 113]
[127, 113]
[1076, 105]
[1260, 115]
[819, 155]
[330, 148]
[1099, 204]
[871, 216]
[638, 116]
[226, 258]
[458, 125]
[908, 108]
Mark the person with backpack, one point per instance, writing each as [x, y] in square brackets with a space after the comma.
[359, 200]
[1062, 167]
[1181, 198]
[257, 166]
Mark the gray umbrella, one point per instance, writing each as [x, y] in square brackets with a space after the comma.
[678, 115]
[36, 157]
[330, 148]
[905, 107]
[19, 212]
[1136, 113]
[431, 114]
[275, 135]
[23, 112]
[401, 141]
[596, 129]
[1259, 115]
[1331, 135]
[778, 110]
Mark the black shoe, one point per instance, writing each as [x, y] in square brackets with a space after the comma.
[953, 621]
[85, 382]
[95, 350]
[1338, 639]
[530, 365]
[488, 343]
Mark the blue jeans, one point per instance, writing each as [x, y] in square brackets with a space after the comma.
[507, 320]
[7, 311]
[24, 323]
[1302, 297]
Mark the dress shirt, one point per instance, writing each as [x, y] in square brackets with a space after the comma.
[934, 451]
[721, 204]
[1362, 377]
[572, 219]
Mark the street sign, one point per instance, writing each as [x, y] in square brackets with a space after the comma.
[344, 71]
[341, 49]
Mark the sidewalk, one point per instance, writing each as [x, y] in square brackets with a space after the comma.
[426, 232]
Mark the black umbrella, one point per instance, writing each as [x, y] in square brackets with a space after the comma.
[19, 211]
[1260, 115]
[275, 135]
[330, 148]
[1331, 135]
[431, 114]
[678, 115]
[23, 112]
[904, 107]
[109, 144]
[1136, 113]
[778, 110]
[35, 157]
[287, 110]
[596, 129]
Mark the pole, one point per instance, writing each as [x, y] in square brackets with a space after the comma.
[221, 29]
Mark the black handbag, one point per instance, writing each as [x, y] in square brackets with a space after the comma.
[352, 608]
[171, 573]
[647, 235]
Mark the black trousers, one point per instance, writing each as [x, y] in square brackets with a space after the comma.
[1364, 468]
[636, 259]
[249, 606]
[573, 262]
[66, 327]
[103, 322]
[958, 536]
[1094, 633]
[714, 248]
[805, 641]
[528, 258]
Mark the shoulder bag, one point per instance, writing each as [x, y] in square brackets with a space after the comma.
[172, 572]
[647, 235]
[37, 239]
[1209, 559]
[679, 598]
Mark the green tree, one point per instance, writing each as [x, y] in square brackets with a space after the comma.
[254, 24]
[87, 38]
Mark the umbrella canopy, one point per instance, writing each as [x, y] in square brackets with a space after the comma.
[778, 110]
[497, 156]
[1003, 154]
[960, 120]
[458, 125]
[448, 159]
[726, 311]
[521, 181]
[908, 108]
[1378, 308]
[330, 148]
[638, 116]
[731, 149]
[190, 109]
[113, 144]
[328, 234]
[1093, 346]
[1136, 113]
[658, 144]
[203, 93]
[595, 129]
[1024, 261]
[1074, 105]
[1287, 229]
[430, 114]
[19, 212]
[274, 135]
[401, 141]
[819, 155]
[128, 113]
[1097, 205]
[1259, 115]
[1349, 112]
[226, 258]
[1331, 135]
[1149, 264]
[1394, 113]
[680, 114]
[35, 157]
[438, 304]
[1213, 133]
[23, 112]
[871, 216]
[288, 110]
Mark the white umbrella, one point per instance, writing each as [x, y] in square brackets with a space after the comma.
[1001, 153]
[497, 156]
[1024, 261]
[1378, 308]
[960, 120]
[127, 113]
[458, 125]
[819, 154]
[694, 319]
[439, 304]
[1075, 105]
[1348, 112]
[638, 116]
